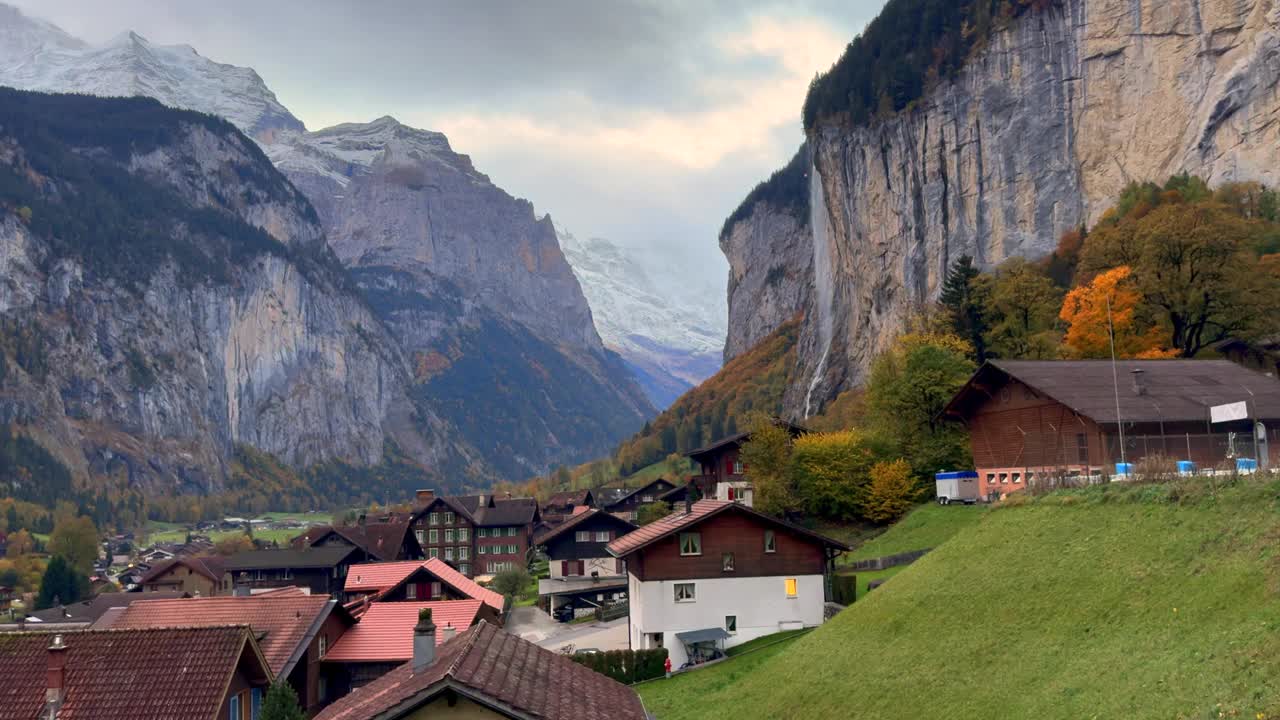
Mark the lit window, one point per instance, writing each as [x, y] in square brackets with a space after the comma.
[731, 623]
[726, 562]
[582, 536]
[684, 592]
[691, 543]
[411, 592]
[770, 542]
[602, 536]
[791, 587]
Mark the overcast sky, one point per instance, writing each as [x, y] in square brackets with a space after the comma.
[639, 122]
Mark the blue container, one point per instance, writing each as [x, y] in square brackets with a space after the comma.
[1124, 468]
[1246, 464]
[1186, 466]
[956, 475]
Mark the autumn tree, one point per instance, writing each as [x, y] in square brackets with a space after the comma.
[1023, 311]
[892, 491]
[768, 454]
[232, 544]
[653, 511]
[830, 471]
[76, 540]
[20, 543]
[964, 299]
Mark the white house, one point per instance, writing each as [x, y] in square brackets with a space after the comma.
[715, 574]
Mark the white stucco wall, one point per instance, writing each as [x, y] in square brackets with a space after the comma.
[760, 604]
[606, 566]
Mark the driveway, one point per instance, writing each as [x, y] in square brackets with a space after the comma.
[532, 624]
[610, 635]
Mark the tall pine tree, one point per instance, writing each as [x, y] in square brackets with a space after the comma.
[962, 299]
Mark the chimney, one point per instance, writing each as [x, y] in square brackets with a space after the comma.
[56, 678]
[481, 500]
[425, 496]
[1139, 381]
[424, 641]
[449, 632]
[688, 503]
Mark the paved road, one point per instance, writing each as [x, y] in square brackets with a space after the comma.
[532, 624]
[537, 627]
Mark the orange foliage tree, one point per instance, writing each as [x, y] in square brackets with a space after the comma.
[1088, 331]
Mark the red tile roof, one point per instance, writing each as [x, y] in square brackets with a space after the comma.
[701, 510]
[577, 519]
[385, 630]
[281, 622]
[502, 670]
[464, 584]
[210, 567]
[376, 577]
[170, 674]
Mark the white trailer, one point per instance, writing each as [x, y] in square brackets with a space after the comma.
[961, 487]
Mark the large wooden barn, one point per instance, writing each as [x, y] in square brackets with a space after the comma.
[1031, 420]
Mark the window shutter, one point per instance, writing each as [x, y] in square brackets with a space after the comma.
[564, 568]
[582, 567]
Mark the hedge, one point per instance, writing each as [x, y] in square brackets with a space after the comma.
[626, 666]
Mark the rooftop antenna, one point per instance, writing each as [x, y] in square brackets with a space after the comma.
[1115, 381]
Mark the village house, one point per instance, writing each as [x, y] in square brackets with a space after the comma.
[207, 673]
[1035, 421]
[629, 504]
[722, 474]
[417, 580]
[487, 673]
[294, 631]
[321, 570]
[716, 573]
[481, 535]
[583, 573]
[203, 575]
[562, 505]
[383, 638]
[386, 540]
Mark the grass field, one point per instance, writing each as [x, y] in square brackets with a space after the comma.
[668, 698]
[927, 526]
[162, 532]
[1109, 602]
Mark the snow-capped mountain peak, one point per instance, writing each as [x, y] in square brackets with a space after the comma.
[37, 55]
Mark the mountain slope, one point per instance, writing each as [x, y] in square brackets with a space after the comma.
[672, 343]
[993, 135]
[166, 295]
[1114, 601]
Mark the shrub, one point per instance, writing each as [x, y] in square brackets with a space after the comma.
[892, 492]
[626, 666]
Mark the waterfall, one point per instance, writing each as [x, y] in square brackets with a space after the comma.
[824, 294]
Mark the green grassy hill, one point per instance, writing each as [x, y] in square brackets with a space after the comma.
[1112, 602]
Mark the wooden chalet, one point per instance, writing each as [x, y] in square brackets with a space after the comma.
[630, 503]
[722, 474]
[480, 534]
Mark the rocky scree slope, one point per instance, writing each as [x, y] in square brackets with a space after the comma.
[1052, 115]
[166, 294]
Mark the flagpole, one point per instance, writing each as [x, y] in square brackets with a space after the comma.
[1115, 380]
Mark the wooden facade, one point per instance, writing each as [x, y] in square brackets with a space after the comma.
[737, 533]
[479, 535]
[628, 505]
[585, 541]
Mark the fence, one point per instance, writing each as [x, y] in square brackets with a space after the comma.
[611, 611]
[887, 561]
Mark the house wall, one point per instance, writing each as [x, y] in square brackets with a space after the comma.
[462, 709]
[240, 683]
[760, 604]
[632, 503]
[735, 532]
[608, 566]
[312, 668]
[494, 545]
[442, 546]
[181, 579]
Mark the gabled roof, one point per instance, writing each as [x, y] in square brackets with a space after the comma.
[210, 566]
[742, 437]
[569, 497]
[500, 670]
[90, 610]
[384, 578]
[700, 511]
[1174, 390]
[316, 557]
[486, 510]
[158, 674]
[575, 520]
[381, 540]
[463, 584]
[282, 623]
[385, 630]
[640, 490]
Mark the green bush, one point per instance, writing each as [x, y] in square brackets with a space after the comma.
[626, 666]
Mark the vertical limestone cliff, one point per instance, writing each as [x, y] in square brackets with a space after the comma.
[1049, 119]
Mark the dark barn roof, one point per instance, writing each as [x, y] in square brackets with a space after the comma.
[742, 437]
[576, 520]
[1173, 390]
[325, 556]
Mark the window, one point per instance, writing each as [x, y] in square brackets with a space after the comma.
[419, 534]
[234, 706]
[691, 543]
[770, 542]
[646, 498]
[602, 536]
[448, 518]
[684, 592]
[433, 552]
[726, 562]
[433, 519]
[448, 553]
[1017, 478]
[411, 591]
[511, 531]
[483, 549]
[737, 467]
[791, 587]
[324, 688]
[436, 589]
[582, 536]
[464, 568]
[1004, 478]
[482, 532]
[1082, 448]
[463, 534]
[464, 552]
[324, 645]
[255, 702]
[512, 549]
[433, 536]
[731, 623]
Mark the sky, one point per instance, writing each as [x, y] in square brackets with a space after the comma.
[645, 123]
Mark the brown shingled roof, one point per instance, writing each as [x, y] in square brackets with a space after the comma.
[381, 540]
[209, 566]
[168, 674]
[701, 510]
[498, 669]
[574, 520]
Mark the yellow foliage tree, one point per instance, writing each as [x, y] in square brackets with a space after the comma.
[1088, 331]
[892, 492]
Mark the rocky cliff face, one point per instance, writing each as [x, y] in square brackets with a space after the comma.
[1035, 136]
[151, 370]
